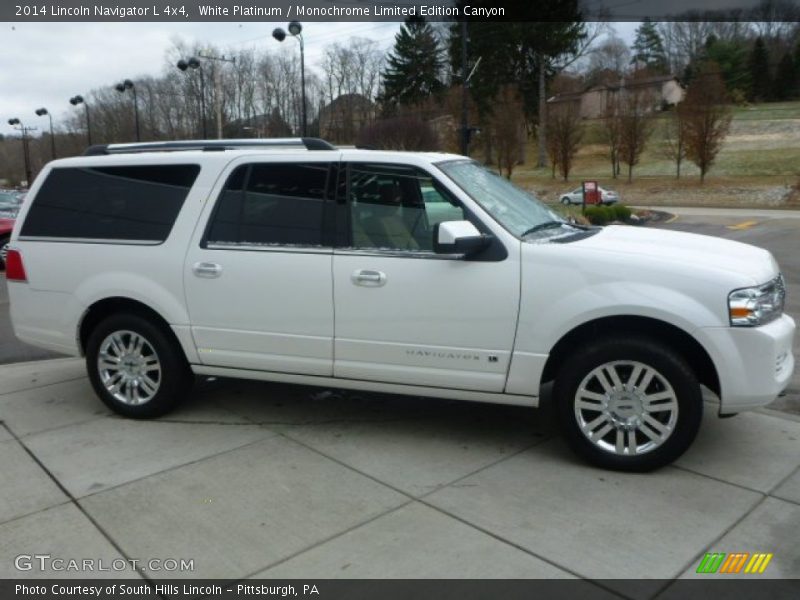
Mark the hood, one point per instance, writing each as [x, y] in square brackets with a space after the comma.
[688, 249]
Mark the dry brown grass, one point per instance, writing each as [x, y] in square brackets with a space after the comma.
[759, 166]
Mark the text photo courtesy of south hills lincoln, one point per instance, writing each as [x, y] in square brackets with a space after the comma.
[346, 299]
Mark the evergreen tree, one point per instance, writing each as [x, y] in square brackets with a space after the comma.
[760, 83]
[731, 56]
[783, 87]
[648, 48]
[523, 53]
[414, 67]
[512, 52]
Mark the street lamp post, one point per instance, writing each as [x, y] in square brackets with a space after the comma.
[75, 100]
[193, 63]
[128, 85]
[40, 112]
[216, 72]
[17, 124]
[296, 30]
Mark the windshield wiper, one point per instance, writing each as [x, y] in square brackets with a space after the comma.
[545, 225]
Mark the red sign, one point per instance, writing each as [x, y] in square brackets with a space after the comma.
[591, 192]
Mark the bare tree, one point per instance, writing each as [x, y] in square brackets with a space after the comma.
[684, 39]
[399, 133]
[555, 64]
[612, 54]
[350, 85]
[707, 117]
[674, 136]
[564, 139]
[635, 125]
[774, 19]
[508, 130]
[612, 132]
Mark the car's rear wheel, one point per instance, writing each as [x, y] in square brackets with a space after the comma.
[630, 404]
[135, 367]
[4, 242]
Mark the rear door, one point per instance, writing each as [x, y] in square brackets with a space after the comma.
[258, 275]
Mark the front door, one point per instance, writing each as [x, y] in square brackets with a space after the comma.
[258, 276]
[406, 315]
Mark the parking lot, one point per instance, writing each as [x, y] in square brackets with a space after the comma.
[252, 479]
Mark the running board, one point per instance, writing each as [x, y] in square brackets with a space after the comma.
[368, 386]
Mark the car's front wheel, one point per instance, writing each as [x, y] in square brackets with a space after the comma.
[565, 200]
[135, 367]
[628, 403]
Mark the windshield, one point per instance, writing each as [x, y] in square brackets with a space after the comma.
[515, 209]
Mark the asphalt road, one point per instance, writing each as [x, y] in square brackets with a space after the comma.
[778, 231]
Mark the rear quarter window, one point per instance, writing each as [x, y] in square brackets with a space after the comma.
[133, 203]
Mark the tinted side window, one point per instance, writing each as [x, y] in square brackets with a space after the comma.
[395, 207]
[278, 203]
[120, 203]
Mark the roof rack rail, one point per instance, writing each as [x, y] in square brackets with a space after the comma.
[308, 143]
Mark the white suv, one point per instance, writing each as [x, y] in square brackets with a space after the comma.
[410, 273]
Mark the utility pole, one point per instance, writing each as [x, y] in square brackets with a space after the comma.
[218, 85]
[464, 92]
[26, 155]
[542, 159]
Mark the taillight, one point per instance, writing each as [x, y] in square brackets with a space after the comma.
[15, 270]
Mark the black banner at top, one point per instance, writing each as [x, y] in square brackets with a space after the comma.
[395, 10]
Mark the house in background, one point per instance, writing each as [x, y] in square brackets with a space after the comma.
[342, 119]
[596, 100]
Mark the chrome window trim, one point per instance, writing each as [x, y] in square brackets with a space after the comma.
[391, 253]
[263, 248]
[71, 240]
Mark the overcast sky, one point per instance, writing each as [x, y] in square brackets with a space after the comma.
[45, 64]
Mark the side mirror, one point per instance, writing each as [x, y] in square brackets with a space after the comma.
[458, 237]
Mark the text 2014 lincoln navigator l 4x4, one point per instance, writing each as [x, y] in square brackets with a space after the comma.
[412, 273]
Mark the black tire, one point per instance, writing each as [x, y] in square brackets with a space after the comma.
[4, 241]
[566, 201]
[671, 370]
[174, 377]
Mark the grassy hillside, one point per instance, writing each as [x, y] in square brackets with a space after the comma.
[758, 165]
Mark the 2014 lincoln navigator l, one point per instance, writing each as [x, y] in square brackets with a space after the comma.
[412, 273]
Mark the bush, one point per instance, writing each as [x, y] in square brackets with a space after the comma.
[600, 215]
[621, 212]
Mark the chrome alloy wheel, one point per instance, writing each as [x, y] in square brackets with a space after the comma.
[626, 408]
[129, 367]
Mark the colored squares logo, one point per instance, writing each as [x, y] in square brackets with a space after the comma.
[734, 563]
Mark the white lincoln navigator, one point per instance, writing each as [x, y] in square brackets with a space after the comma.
[412, 273]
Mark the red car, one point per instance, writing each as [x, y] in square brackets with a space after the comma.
[10, 201]
[6, 225]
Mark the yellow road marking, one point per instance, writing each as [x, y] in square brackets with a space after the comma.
[671, 219]
[744, 225]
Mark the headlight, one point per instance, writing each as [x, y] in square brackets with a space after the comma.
[753, 306]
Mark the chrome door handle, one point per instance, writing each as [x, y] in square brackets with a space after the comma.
[207, 269]
[369, 278]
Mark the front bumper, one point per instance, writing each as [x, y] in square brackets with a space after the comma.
[754, 364]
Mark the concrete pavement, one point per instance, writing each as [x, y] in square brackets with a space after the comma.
[251, 479]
